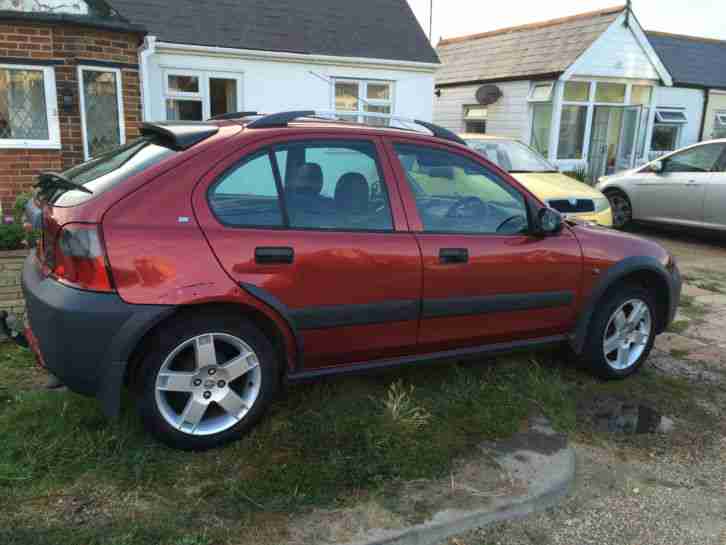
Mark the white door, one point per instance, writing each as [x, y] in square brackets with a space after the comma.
[625, 159]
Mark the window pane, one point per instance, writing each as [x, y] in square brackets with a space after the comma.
[699, 159]
[542, 92]
[335, 185]
[457, 195]
[23, 113]
[641, 95]
[183, 84]
[382, 122]
[247, 195]
[572, 132]
[222, 96]
[346, 96]
[719, 126]
[379, 91]
[101, 100]
[577, 91]
[541, 125]
[511, 155]
[665, 137]
[184, 110]
[610, 92]
[476, 127]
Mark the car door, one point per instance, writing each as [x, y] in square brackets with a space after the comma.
[715, 203]
[311, 224]
[677, 193]
[486, 279]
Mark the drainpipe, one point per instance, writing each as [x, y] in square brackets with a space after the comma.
[706, 104]
[145, 51]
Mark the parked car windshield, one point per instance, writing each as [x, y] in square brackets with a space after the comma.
[511, 156]
[109, 169]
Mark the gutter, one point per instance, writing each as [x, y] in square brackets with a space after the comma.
[293, 57]
[147, 49]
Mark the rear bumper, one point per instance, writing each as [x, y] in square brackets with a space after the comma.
[84, 338]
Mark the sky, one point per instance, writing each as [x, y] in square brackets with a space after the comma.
[705, 18]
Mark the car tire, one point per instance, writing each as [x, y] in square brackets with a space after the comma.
[206, 379]
[621, 333]
[621, 207]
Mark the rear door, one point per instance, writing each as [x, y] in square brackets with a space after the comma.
[715, 204]
[486, 279]
[312, 222]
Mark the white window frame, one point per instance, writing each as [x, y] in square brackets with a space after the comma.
[721, 118]
[363, 99]
[119, 103]
[660, 120]
[204, 94]
[51, 111]
[541, 84]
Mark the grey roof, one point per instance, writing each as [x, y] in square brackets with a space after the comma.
[380, 29]
[691, 60]
[549, 47]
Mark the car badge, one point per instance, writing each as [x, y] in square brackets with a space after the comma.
[573, 202]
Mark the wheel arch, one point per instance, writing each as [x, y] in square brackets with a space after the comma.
[643, 271]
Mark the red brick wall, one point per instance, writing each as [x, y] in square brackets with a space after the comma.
[70, 45]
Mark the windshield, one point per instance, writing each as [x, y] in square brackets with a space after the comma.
[511, 155]
[109, 169]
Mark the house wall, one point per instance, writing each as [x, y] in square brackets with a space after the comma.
[65, 47]
[509, 116]
[716, 103]
[689, 100]
[615, 54]
[278, 85]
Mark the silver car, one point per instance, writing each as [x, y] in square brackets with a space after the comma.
[686, 187]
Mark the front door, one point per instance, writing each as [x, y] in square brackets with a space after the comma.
[677, 193]
[311, 222]
[486, 280]
[629, 138]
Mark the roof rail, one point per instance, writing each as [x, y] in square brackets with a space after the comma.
[232, 115]
[282, 119]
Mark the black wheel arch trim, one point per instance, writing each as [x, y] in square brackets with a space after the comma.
[617, 273]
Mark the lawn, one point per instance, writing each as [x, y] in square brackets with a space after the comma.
[68, 476]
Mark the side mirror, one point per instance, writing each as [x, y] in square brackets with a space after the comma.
[549, 221]
[656, 167]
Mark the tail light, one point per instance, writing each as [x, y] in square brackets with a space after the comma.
[79, 259]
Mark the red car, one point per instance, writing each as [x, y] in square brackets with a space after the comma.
[203, 264]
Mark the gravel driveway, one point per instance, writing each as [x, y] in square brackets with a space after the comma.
[659, 489]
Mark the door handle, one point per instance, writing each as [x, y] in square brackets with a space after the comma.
[692, 183]
[448, 256]
[266, 256]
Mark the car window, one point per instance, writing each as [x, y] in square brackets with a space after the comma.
[246, 196]
[333, 185]
[698, 159]
[455, 194]
[511, 156]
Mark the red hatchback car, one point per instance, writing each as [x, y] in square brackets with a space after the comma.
[203, 264]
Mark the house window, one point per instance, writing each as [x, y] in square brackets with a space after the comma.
[577, 91]
[541, 127]
[353, 98]
[610, 93]
[196, 96]
[572, 132]
[641, 95]
[28, 112]
[541, 92]
[475, 119]
[667, 130]
[102, 114]
[719, 126]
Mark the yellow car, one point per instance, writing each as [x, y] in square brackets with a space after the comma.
[572, 198]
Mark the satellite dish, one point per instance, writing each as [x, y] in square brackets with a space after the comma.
[488, 94]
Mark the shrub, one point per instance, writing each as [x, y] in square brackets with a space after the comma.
[12, 237]
[19, 209]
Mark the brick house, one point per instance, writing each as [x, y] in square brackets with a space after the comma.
[69, 87]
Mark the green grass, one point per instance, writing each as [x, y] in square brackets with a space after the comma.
[69, 476]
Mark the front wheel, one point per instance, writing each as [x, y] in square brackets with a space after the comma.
[207, 381]
[621, 334]
[622, 209]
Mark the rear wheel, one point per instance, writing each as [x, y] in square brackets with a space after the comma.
[207, 380]
[622, 333]
[621, 207]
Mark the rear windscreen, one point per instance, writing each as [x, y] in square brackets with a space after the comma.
[108, 170]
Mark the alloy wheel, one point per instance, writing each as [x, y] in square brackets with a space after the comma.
[627, 334]
[208, 383]
[622, 211]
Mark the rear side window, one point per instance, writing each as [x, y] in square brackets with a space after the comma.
[323, 185]
[246, 196]
[110, 169]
